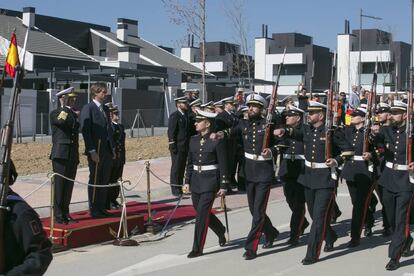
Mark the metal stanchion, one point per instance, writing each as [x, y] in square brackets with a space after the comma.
[125, 240]
[150, 226]
[52, 211]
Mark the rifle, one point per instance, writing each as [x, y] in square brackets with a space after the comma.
[370, 110]
[5, 153]
[409, 125]
[329, 114]
[311, 79]
[272, 105]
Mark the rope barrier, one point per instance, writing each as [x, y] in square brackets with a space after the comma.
[38, 188]
[163, 181]
[139, 180]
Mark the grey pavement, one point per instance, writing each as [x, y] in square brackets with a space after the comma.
[167, 256]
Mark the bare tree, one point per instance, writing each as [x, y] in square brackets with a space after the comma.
[191, 15]
[235, 11]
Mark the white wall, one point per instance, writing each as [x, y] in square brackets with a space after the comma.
[212, 66]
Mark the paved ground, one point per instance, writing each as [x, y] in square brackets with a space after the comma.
[167, 256]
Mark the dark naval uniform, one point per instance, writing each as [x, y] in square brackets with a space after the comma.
[259, 173]
[118, 162]
[291, 165]
[206, 173]
[398, 190]
[319, 183]
[178, 138]
[226, 120]
[359, 176]
[28, 250]
[65, 157]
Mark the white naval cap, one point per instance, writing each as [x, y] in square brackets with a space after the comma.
[66, 92]
[255, 99]
[399, 105]
[316, 106]
[203, 115]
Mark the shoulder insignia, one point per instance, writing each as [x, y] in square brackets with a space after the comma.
[62, 115]
[36, 229]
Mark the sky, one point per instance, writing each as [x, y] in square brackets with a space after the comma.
[321, 19]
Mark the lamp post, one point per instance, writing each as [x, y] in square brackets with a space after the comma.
[361, 15]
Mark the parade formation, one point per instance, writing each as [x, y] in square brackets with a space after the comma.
[308, 142]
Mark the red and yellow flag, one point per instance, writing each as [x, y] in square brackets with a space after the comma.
[12, 59]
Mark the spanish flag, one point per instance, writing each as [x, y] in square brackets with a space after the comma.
[12, 59]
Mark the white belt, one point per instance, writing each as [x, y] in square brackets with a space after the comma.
[315, 165]
[205, 168]
[294, 156]
[256, 157]
[358, 158]
[397, 167]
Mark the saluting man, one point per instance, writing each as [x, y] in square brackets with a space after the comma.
[65, 152]
[397, 182]
[178, 138]
[206, 178]
[259, 172]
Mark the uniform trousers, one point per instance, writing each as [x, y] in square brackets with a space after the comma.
[257, 196]
[360, 192]
[178, 162]
[63, 187]
[319, 202]
[202, 203]
[295, 197]
[397, 206]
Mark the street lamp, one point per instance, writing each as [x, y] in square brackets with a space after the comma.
[361, 15]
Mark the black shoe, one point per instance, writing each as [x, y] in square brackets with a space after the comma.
[60, 221]
[353, 243]
[329, 247]
[309, 261]
[386, 232]
[70, 220]
[270, 240]
[249, 255]
[335, 216]
[407, 247]
[392, 265]
[368, 231]
[293, 242]
[99, 214]
[222, 240]
[115, 205]
[230, 192]
[304, 226]
[194, 254]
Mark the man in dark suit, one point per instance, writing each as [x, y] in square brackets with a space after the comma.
[99, 146]
[225, 120]
[65, 152]
[178, 139]
[119, 161]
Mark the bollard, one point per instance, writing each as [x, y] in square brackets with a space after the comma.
[52, 211]
[152, 130]
[131, 133]
[34, 137]
[150, 225]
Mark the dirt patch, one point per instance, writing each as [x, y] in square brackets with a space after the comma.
[33, 158]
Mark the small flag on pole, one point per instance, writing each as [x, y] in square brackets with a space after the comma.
[12, 59]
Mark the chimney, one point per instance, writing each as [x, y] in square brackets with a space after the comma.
[188, 41]
[126, 27]
[29, 16]
[192, 41]
[128, 54]
[346, 26]
[266, 31]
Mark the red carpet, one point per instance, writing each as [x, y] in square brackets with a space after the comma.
[91, 231]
